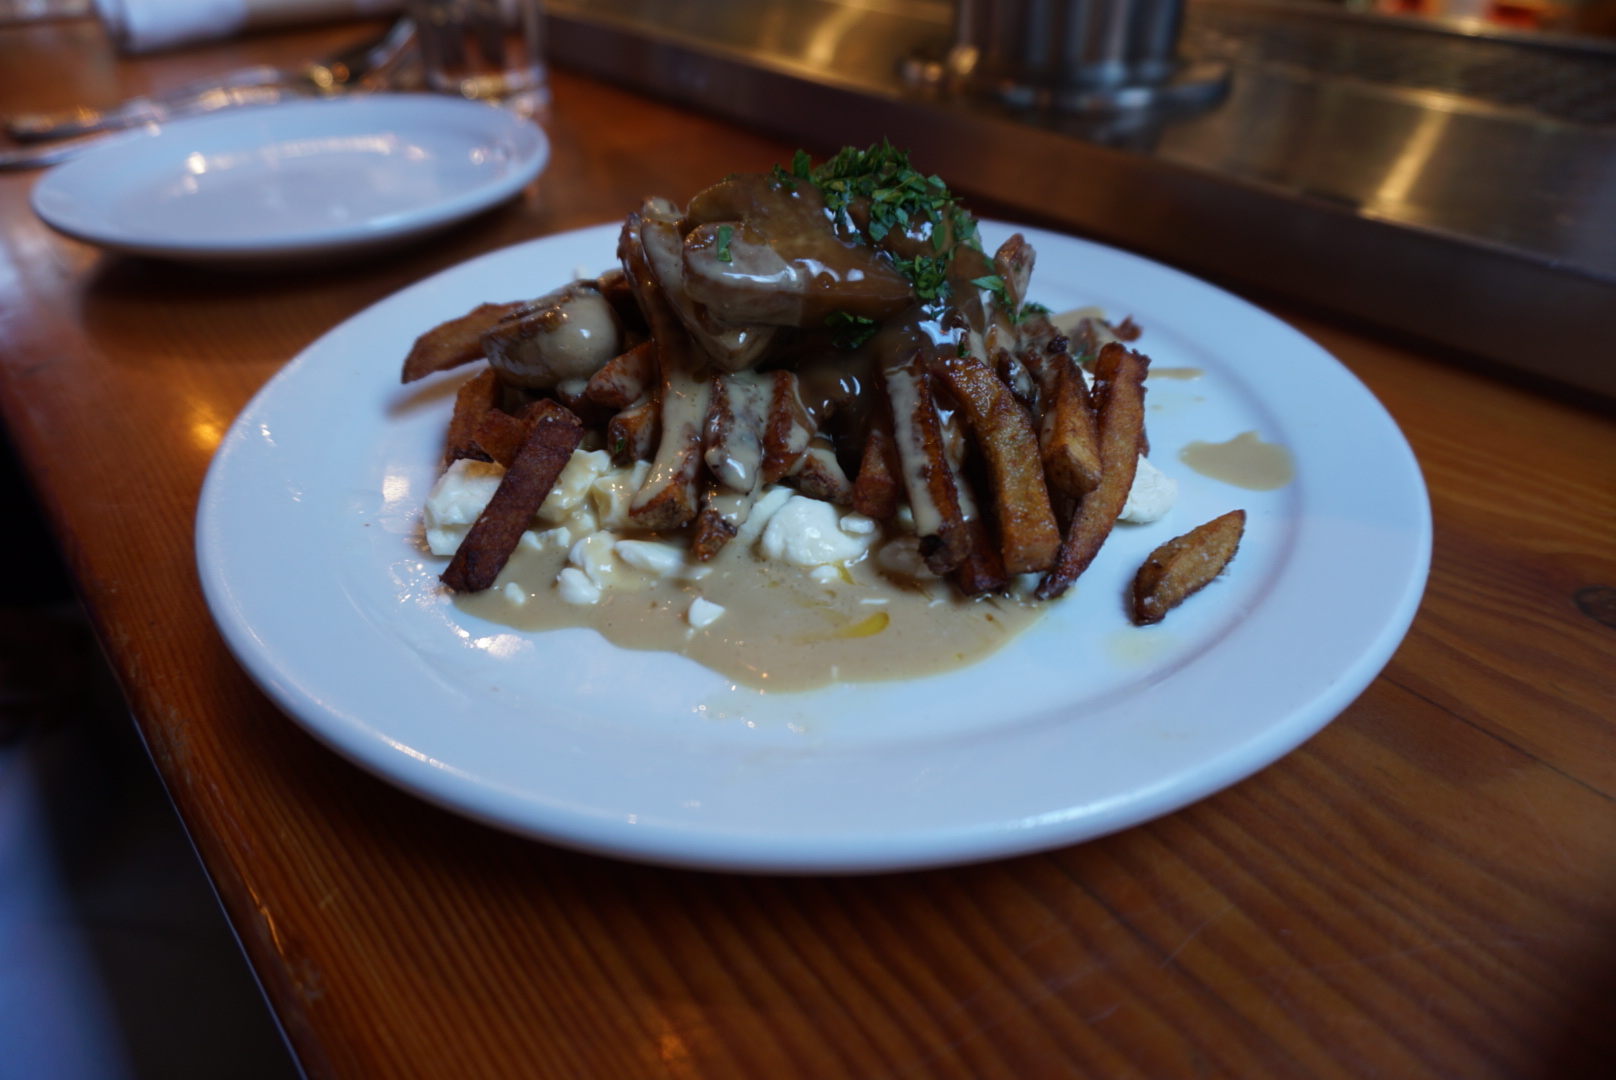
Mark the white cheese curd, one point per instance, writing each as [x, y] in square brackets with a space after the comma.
[515, 593]
[593, 555]
[703, 613]
[576, 588]
[613, 491]
[656, 558]
[550, 539]
[1152, 495]
[456, 499]
[806, 532]
[762, 511]
[573, 486]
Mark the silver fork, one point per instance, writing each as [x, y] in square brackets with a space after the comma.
[357, 67]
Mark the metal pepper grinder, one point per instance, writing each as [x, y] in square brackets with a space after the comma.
[1090, 56]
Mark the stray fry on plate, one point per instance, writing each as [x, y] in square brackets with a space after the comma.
[1184, 566]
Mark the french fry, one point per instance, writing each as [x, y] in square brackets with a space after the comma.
[632, 435]
[1013, 263]
[497, 530]
[476, 397]
[819, 475]
[787, 430]
[458, 341]
[928, 478]
[1185, 565]
[876, 489]
[732, 438]
[624, 379]
[500, 435]
[1122, 425]
[1028, 537]
[722, 515]
[1068, 436]
[982, 570]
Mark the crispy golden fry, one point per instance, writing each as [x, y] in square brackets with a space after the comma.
[1122, 424]
[625, 379]
[732, 439]
[632, 434]
[983, 569]
[477, 396]
[494, 535]
[458, 341]
[723, 512]
[788, 429]
[1013, 263]
[1028, 538]
[1184, 566]
[819, 475]
[1015, 374]
[928, 478]
[1068, 436]
[501, 436]
[876, 488]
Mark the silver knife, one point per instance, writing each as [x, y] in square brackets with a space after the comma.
[39, 155]
[364, 65]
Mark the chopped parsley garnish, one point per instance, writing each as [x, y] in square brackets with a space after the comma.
[852, 330]
[928, 274]
[898, 197]
[722, 252]
[994, 284]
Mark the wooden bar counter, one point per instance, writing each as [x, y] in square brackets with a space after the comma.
[1425, 889]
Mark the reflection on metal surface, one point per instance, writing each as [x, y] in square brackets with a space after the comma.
[1462, 187]
[1080, 55]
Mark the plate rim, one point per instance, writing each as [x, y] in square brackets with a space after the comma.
[736, 850]
[396, 228]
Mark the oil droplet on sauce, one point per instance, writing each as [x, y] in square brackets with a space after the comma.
[1244, 461]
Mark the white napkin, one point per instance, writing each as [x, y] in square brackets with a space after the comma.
[144, 25]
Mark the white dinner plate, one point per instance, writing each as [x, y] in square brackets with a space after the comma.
[293, 181]
[308, 545]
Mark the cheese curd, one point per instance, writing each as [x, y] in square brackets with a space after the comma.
[808, 533]
[1152, 495]
[455, 501]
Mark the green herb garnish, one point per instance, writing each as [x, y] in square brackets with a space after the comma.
[852, 330]
[898, 198]
[724, 234]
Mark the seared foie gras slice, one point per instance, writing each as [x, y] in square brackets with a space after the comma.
[761, 249]
[729, 345]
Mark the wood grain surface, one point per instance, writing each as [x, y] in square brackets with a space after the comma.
[1425, 889]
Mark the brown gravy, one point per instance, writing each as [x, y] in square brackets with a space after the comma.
[1244, 461]
[780, 630]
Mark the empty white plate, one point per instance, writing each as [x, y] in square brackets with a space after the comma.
[293, 181]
